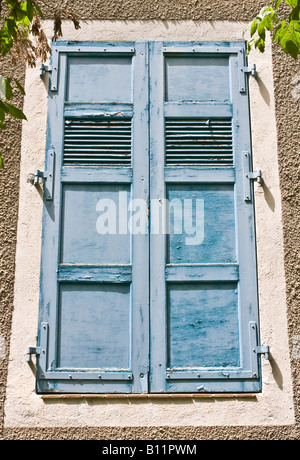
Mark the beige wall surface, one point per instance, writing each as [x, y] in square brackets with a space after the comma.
[275, 405]
[274, 413]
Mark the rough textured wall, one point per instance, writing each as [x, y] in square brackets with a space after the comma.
[9, 196]
[287, 109]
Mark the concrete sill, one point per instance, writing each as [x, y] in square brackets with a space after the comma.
[150, 396]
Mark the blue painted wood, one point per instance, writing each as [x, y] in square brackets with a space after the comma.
[197, 78]
[202, 272]
[88, 212]
[202, 224]
[99, 79]
[191, 310]
[94, 285]
[204, 328]
[95, 273]
[198, 109]
[94, 326]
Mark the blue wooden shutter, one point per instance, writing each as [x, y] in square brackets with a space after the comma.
[93, 329]
[204, 307]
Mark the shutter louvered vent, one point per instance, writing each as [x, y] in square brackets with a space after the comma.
[97, 142]
[199, 142]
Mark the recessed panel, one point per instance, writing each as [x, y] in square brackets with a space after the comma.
[95, 224]
[200, 79]
[94, 326]
[202, 224]
[100, 79]
[203, 325]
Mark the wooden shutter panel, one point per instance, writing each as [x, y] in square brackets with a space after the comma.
[94, 302]
[204, 310]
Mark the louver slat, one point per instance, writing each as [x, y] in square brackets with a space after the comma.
[199, 142]
[100, 142]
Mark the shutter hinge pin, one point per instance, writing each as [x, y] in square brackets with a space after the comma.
[256, 175]
[263, 350]
[39, 174]
[251, 69]
[45, 68]
[32, 351]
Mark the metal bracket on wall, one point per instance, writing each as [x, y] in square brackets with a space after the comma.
[45, 68]
[251, 69]
[249, 176]
[47, 176]
[32, 351]
[244, 71]
[264, 350]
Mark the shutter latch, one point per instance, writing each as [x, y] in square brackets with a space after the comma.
[32, 351]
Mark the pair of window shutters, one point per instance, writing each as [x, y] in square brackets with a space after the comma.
[148, 274]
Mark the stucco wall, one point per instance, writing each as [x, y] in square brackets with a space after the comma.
[288, 142]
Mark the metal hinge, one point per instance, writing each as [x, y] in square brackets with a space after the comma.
[251, 69]
[244, 71]
[249, 176]
[263, 350]
[45, 68]
[256, 175]
[33, 351]
[47, 176]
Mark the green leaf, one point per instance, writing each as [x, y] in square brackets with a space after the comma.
[12, 28]
[8, 89]
[260, 44]
[292, 3]
[295, 14]
[38, 10]
[6, 42]
[261, 31]
[2, 115]
[2, 125]
[290, 43]
[1, 162]
[253, 28]
[277, 4]
[12, 110]
[30, 9]
[268, 23]
[20, 87]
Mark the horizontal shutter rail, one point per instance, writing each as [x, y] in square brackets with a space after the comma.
[201, 49]
[202, 273]
[94, 110]
[197, 110]
[200, 142]
[111, 375]
[97, 142]
[97, 174]
[196, 174]
[207, 373]
[90, 273]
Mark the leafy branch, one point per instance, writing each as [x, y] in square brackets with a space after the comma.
[284, 27]
[23, 38]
